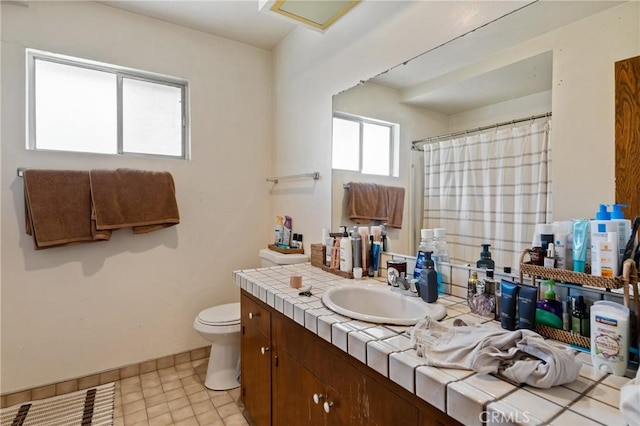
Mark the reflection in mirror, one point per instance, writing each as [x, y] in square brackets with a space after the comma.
[501, 72]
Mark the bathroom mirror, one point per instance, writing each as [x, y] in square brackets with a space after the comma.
[506, 70]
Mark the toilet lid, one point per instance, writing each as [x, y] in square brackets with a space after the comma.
[228, 314]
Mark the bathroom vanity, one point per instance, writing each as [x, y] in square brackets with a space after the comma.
[304, 364]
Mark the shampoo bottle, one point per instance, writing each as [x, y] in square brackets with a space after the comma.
[286, 236]
[426, 244]
[346, 253]
[624, 227]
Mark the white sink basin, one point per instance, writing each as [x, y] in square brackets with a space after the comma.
[378, 304]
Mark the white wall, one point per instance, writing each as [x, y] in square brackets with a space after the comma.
[310, 69]
[72, 311]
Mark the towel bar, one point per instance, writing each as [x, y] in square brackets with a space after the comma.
[314, 175]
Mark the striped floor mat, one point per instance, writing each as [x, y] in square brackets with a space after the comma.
[86, 407]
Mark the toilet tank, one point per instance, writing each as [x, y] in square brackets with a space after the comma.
[273, 258]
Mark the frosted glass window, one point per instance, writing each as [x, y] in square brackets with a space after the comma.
[376, 149]
[346, 144]
[86, 106]
[75, 109]
[364, 145]
[152, 117]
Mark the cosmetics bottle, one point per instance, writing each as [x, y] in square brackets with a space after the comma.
[550, 256]
[580, 318]
[383, 237]
[566, 314]
[509, 297]
[482, 303]
[527, 298]
[549, 310]
[370, 257]
[357, 248]
[346, 253]
[471, 286]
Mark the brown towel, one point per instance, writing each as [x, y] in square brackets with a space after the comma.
[367, 201]
[139, 199]
[395, 209]
[370, 201]
[58, 207]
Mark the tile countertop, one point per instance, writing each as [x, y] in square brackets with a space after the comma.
[468, 397]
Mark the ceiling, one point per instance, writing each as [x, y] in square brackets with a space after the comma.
[458, 77]
[239, 20]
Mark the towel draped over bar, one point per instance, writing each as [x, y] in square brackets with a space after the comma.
[65, 207]
[370, 201]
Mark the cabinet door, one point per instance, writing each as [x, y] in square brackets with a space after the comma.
[381, 406]
[294, 390]
[255, 361]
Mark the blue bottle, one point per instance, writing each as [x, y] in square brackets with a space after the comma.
[428, 280]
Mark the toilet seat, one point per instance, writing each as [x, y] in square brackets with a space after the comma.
[221, 315]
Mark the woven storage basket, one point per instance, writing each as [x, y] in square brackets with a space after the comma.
[628, 279]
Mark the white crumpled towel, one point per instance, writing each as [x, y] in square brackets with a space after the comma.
[630, 400]
[522, 356]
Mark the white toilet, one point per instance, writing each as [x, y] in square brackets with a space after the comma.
[221, 326]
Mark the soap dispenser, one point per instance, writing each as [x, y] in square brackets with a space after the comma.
[428, 280]
[485, 261]
[549, 310]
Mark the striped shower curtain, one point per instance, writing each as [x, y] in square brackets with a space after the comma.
[490, 187]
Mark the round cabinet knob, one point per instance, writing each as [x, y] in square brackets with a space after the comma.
[317, 397]
[327, 406]
[264, 350]
[252, 315]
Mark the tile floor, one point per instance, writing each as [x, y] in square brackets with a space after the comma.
[175, 396]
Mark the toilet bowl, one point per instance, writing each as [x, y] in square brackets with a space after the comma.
[220, 325]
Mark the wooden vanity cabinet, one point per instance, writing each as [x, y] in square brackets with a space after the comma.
[255, 360]
[303, 365]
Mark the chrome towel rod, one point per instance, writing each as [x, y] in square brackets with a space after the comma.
[314, 175]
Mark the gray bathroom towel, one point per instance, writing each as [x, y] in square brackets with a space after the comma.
[521, 356]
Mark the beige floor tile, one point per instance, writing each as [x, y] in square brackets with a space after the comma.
[133, 387]
[136, 417]
[151, 382]
[228, 410]
[187, 373]
[198, 397]
[213, 394]
[221, 400]
[167, 371]
[169, 386]
[235, 420]
[131, 397]
[194, 388]
[175, 394]
[191, 421]
[155, 400]
[176, 404]
[203, 407]
[158, 410]
[182, 413]
[209, 417]
[149, 392]
[190, 380]
[163, 420]
[168, 378]
[133, 407]
[129, 381]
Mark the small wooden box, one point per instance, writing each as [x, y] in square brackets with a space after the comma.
[318, 255]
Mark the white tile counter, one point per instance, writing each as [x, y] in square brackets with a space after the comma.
[466, 396]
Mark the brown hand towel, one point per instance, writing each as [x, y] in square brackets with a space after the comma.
[370, 201]
[367, 201]
[143, 200]
[395, 208]
[58, 207]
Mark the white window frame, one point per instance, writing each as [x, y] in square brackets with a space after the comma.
[120, 72]
[393, 144]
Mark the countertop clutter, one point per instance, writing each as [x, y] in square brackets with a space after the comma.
[470, 398]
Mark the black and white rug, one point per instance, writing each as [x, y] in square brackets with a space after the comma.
[89, 407]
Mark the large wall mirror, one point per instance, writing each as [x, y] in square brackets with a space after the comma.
[528, 63]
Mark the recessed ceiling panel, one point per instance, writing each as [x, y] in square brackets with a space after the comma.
[317, 14]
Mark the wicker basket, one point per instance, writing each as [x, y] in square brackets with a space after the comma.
[628, 279]
[285, 250]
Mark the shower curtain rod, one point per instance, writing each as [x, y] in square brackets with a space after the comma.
[432, 139]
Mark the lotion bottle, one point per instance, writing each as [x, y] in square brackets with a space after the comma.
[346, 252]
